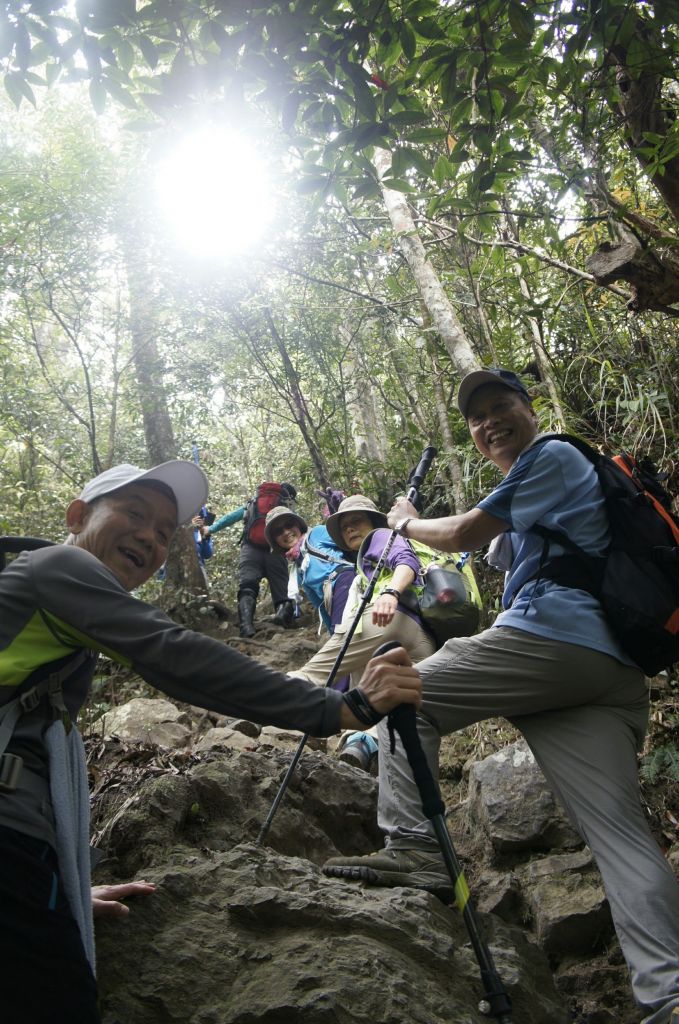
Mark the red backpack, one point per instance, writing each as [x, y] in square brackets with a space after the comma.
[267, 496]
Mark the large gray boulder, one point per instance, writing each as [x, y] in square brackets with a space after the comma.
[238, 933]
[510, 800]
[241, 933]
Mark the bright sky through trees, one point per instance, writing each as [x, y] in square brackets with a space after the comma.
[214, 192]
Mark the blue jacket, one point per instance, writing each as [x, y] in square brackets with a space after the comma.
[320, 559]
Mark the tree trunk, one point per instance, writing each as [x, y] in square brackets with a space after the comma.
[653, 276]
[298, 407]
[408, 393]
[450, 460]
[538, 341]
[367, 434]
[643, 110]
[437, 303]
[44, 335]
[652, 273]
[184, 575]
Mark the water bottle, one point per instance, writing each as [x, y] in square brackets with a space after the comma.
[445, 587]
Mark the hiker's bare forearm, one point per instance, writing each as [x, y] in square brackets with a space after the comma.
[465, 532]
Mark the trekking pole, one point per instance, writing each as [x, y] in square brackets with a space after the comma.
[196, 458]
[496, 1001]
[415, 481]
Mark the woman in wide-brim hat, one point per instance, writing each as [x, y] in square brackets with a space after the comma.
[283, 528]
[360, 529]
[359, 526]
[359, 509]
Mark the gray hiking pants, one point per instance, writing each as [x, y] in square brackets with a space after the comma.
[584, 715]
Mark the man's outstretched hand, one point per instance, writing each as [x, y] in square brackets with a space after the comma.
[106, 898]
[389, 680]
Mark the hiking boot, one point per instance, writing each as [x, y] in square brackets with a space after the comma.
[360, 749]
[417, 869]
[246, 611]
[655, 1019]
[285, 615]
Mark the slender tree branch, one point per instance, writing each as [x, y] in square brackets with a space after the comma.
[351, 291]
[529, 250]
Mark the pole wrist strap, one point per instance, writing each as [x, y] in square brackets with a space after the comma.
[361, 708]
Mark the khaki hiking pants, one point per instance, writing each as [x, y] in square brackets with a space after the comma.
[584, 715]
[363, 645]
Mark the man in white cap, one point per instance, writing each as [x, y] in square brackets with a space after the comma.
[59, 606]
[553, 667]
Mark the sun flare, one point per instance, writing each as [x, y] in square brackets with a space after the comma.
[214, 193]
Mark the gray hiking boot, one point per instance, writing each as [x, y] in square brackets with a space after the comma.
[418, 869]
[655, 1018]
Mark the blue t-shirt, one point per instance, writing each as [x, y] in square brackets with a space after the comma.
[555, 486]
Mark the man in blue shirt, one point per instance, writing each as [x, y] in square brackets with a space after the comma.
[551, 665]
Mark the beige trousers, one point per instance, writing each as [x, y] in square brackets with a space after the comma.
[363, 645]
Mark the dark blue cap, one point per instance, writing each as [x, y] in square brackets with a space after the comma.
[491, 375]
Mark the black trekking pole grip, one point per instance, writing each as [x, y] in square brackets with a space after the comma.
[418, 474]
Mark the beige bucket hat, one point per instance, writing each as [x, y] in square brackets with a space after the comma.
[273, 516]
[354, 503]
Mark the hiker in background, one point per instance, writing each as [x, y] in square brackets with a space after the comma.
[318, 566]
[331, 500]
[256, 560]
[59, 606]
[202, 541]
[551, 665]
[359, 525]
[201, 535]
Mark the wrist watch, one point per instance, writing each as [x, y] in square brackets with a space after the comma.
[393, 591]
[402, 524]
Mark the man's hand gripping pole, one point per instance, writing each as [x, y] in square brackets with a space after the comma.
[415, 481]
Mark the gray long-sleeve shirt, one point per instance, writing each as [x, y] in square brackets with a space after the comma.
[57, 600]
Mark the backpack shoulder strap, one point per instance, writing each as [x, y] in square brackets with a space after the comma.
[325, 556]
[577, 442]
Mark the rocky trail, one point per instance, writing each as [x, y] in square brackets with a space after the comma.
[237, 933]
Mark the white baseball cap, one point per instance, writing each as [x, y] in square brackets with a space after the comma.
[186, 480]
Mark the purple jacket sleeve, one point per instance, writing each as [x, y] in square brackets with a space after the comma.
[400, 553]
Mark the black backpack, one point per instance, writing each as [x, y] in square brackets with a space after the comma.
[10, 545]
[637, 579]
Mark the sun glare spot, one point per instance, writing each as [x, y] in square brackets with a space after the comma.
[214, 193]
